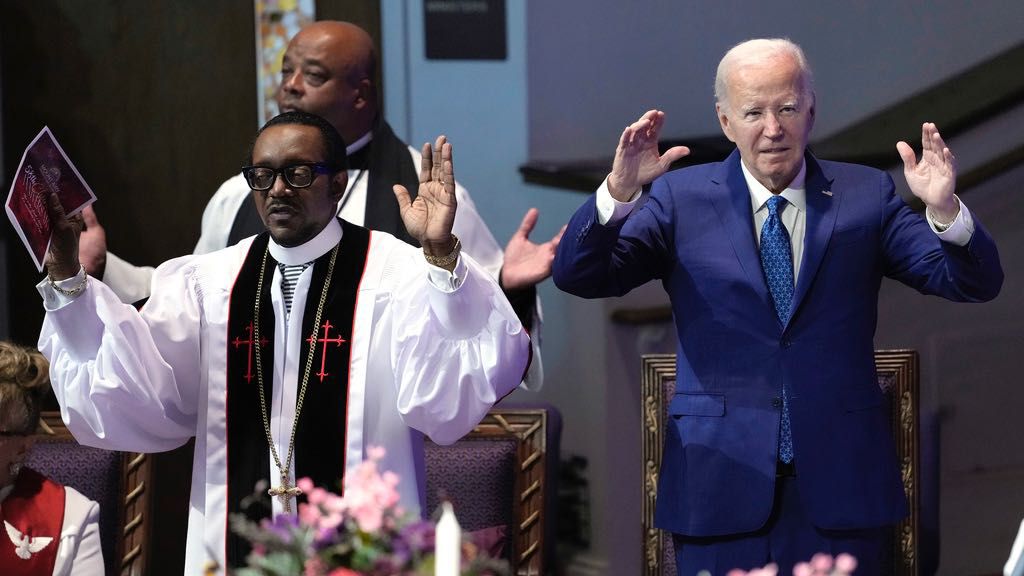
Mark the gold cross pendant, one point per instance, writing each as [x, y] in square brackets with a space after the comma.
[285, 492]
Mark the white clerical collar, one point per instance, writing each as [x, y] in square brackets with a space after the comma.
[312, 249]
[795, 193]
[359, 144]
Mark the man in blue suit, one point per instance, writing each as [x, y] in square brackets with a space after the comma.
[780, 446]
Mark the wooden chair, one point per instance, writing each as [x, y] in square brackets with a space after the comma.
[898, 376]
[500, 476]
[117, 481]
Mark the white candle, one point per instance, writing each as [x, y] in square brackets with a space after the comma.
[447, 544]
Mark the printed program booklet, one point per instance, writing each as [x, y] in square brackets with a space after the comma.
[44, 168]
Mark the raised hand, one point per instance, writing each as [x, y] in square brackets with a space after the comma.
[933, 178]
[527, 263]
[62, 259]
[637, 161]
[430, 216]
[92, 244]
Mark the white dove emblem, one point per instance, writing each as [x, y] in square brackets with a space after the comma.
[24, 546]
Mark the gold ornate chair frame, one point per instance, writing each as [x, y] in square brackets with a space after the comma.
[898, 376]
[132, 511]
[528, 426]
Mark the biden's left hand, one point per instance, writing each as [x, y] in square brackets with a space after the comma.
[933, 178]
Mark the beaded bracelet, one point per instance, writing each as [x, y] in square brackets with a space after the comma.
[73, 291]
[448, 259]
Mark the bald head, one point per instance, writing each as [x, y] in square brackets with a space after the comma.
[328, 70]
[761, 52]
[350, 43]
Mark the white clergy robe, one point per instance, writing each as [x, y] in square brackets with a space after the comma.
[132, 282]
[422, 356]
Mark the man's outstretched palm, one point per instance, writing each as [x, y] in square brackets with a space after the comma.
[637, 161]
[429, 218]
[527, 263]
[933, 178]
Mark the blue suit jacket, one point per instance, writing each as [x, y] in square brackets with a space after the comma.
[695, 233]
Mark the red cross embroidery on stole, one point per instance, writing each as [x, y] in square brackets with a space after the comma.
[312, 340]
[248, 341]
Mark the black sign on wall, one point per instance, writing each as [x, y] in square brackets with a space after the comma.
[465, 29]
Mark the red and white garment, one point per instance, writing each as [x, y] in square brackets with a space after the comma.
[48, 529]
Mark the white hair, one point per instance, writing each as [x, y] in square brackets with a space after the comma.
[756, 51]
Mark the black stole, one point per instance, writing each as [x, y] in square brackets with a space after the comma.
[320, 435]
[388, 163]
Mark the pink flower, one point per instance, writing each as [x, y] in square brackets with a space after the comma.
[369, 496]
[769, 570]
[343, 572]
[820, 565]
[314, 567]
[823, 565]
[317, 496]
[332, 503]
[375, 453]
[309, 515]
[821, 562]
[369, 520]
[846, 563]
[330, 521]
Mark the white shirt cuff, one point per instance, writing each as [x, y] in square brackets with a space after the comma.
[444, 280]
[609, 210]
[959, 231]
[128, 281]
[53, 300]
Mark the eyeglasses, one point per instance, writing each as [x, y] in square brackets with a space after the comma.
[261, 178]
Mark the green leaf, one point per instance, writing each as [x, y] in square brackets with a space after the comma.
[277, 564]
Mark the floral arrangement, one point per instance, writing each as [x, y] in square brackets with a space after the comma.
[820, 565]
[363, 533]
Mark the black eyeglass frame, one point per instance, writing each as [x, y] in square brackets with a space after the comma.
[316, 167]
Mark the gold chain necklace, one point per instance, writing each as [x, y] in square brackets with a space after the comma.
[286, 491]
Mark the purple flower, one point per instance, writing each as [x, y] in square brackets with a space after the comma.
[419, 536]
[326, 537]
[283, 526]
[390, 564]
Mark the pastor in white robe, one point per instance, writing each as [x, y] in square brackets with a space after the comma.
[431, 352]
[132, 283]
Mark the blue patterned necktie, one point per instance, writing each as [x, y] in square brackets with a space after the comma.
[777, 261]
